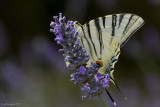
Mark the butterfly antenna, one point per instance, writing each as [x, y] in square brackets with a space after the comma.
[110, 97]
[118, 88]
[72, 19]
[65, 14]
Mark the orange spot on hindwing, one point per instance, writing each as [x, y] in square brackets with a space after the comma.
[100, 63]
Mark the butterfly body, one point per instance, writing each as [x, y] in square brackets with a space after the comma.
[105, 36]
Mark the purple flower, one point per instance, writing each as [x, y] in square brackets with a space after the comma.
[77, 58]
[106, 81]
[59, 39]
[83, 74]
[99, 77]
[82, 70]
[95, 86]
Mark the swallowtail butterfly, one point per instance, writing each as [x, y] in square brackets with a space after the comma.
[105, 36]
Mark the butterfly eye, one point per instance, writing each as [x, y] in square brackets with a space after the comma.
[100, 63]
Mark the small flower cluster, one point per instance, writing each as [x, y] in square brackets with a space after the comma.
[84, 74]
[95, 86]
[76, 58]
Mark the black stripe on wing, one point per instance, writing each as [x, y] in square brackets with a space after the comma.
[131, 25]
[120, 19]
[87, 42]
[103, 20]
[100, 35]
[114, 59]
[131, 35]
[128, 23]
[89, 33]
[82, 31]
[117, 54]
[114, 21]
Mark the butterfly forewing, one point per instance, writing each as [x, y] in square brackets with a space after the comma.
[121, 26]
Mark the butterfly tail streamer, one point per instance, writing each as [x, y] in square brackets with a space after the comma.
[114, 82]
[114, 103]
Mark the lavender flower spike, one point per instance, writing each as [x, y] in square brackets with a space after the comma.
[76, 58]
[75, 55]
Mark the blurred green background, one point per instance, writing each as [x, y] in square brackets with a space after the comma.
[33, 73]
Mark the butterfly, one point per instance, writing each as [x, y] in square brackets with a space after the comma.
[104, 37]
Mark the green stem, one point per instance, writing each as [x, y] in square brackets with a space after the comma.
[102, 99]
